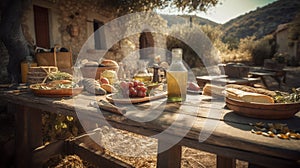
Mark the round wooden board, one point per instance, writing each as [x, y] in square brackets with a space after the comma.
[263, 110]
[111, 99]
[56, 92]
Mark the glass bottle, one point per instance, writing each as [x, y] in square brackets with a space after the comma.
[177, 76]
[25, 65]
[121, 72]
[142, 73]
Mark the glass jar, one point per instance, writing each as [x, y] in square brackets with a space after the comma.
[25, 65]
[142, 73]
[177, 76]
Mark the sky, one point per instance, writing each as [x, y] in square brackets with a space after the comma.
[226, 11]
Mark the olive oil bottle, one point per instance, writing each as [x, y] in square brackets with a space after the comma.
[177, 76]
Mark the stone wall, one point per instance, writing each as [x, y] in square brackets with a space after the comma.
[63, 15]
[3, 64]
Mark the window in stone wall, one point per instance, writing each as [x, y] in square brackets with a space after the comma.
[99, 36]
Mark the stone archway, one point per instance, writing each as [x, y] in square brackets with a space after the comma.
[146, 45]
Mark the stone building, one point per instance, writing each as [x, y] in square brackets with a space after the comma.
[70, 23]
[286, 45]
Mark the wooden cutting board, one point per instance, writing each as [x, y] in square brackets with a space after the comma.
[112, 99]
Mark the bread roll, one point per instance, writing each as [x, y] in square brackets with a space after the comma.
[109, 63]
[91, 64]
[213, 90]
[248, 96]
[57, 82]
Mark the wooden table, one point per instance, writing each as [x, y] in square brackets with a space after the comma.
[223, 80]
[230, 136]
[278, 75]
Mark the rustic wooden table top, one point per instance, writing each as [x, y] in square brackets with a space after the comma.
[200, 116]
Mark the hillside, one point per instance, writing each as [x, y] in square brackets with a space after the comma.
[262, 21]
[182, 19]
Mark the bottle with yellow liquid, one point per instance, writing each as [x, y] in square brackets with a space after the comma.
[25, 65]
[142, 74]
[177, 76]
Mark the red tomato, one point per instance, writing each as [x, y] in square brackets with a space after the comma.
[193, 86]
[130, 84]
[143, 88]
[141, 93]
[104, 80]
[135, 83]
[124, 85]
[132, 92]
[141, 84]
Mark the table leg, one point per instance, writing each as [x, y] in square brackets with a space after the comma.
[170, 158]
[21, 135]
[35, 132]
[28, 134]
[225, 162]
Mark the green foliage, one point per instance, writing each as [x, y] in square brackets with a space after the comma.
[265, 20]
[205, 44]
[57, 126]
[129, 6]
[294, 28]
[263, 49]
[189, 55]
[252, 51]
[215, 34]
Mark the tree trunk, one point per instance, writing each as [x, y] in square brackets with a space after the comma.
[12, 36]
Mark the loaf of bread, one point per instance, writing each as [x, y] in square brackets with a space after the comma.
[252, 89]
[109, 63]
[238, 94]
[213, 90]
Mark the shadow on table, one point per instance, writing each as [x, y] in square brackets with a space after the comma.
[235, 120]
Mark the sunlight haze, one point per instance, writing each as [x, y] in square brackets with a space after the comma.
[227, 10]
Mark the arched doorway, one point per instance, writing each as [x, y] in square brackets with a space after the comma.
[146, 43]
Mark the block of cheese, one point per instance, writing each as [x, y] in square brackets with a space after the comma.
[248, 96]
[213, 90]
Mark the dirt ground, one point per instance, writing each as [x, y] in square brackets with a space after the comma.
[191, 158]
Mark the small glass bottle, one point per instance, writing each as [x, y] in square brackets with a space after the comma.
[142, 73]
[177, 76]
[121, 72]
[25, 65]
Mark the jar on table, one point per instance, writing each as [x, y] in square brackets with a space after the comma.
[25, 65]
[177, 76]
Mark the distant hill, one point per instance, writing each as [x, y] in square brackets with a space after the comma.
[182, 19]
[262, 21]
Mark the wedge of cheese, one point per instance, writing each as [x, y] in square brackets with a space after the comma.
[213, 90]
[248, 96]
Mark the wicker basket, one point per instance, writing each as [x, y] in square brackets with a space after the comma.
[39, 74]
[62, 60]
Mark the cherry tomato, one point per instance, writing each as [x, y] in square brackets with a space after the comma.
[104, 80]
[143, 88]
[130, 84]
[141, 84]
[132, 92]
[193, 86]
[141, 93]
[138, 88]
[135, 83]
[124, 85]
